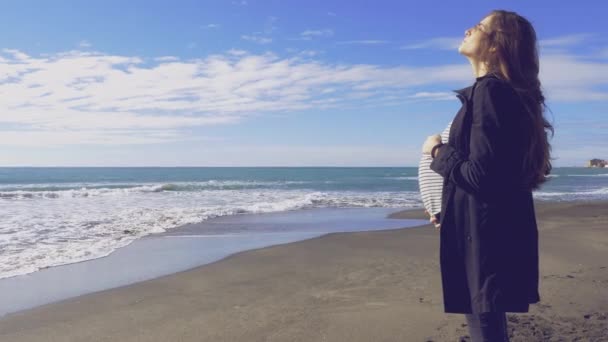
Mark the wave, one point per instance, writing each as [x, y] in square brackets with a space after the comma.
[595, 175]
[73, 229]
[88, 190]
[600, 193]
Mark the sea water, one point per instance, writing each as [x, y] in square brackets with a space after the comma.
[57, 216]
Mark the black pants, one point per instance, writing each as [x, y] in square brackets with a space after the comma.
[488, 327]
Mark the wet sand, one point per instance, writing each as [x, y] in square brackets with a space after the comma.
[363, 286]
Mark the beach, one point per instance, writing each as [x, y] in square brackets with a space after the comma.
[358, 286]
[275, 171]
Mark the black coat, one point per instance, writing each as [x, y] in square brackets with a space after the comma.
[489, 237]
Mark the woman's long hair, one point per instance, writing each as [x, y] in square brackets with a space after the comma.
[510, 51]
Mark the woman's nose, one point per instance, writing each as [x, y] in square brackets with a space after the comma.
[467, 32]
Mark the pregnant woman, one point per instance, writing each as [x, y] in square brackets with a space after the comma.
[496, 154]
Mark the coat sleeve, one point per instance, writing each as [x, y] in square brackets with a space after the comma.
[479, 171]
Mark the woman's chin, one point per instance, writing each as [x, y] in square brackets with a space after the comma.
[463, 52]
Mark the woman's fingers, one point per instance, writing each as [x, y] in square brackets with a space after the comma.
[430, 142]
[433, 219]
[435, 222]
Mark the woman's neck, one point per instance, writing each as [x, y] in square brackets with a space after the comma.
[479, 68]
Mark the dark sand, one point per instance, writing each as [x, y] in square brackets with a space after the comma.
[365, 286]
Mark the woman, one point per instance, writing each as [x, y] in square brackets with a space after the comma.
[497, 153]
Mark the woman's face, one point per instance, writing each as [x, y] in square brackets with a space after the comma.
[470, 46]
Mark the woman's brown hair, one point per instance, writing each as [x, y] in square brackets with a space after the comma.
[510, 51]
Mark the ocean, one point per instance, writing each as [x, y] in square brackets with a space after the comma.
[57, 216]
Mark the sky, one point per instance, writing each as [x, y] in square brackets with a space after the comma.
[272, 83]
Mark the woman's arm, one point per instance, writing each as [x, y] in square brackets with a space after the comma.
[480, 169]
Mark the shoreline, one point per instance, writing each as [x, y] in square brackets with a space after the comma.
[340, 286]
[181, 249]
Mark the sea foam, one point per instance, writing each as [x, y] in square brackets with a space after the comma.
[49, 228]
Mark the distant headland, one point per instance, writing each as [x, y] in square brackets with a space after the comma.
[597, 163]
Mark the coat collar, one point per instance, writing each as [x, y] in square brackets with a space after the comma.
[465, 94]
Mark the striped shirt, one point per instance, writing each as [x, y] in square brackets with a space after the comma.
[430, 182]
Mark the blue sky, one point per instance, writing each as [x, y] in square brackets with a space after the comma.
[271, 83]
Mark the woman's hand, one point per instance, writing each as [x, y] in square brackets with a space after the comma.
[433, 219]
[430, 142]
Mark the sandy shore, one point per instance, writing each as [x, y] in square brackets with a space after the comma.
[366, 286]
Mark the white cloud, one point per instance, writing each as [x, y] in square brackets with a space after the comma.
[571, 78]
[310, 34]
[80, 97]
[237, 52]
[440, 43]
[212, 26]
[565, 77]
[94, 93]
[310, 53]
[166, 59]
[33, 138]
[564, 41]
[452, 43]
[433, 96]
[257, 39]
[16, 54]
[84, 44]
[205, 153]
[363, 42]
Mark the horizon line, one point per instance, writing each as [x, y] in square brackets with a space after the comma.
[242, 166]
